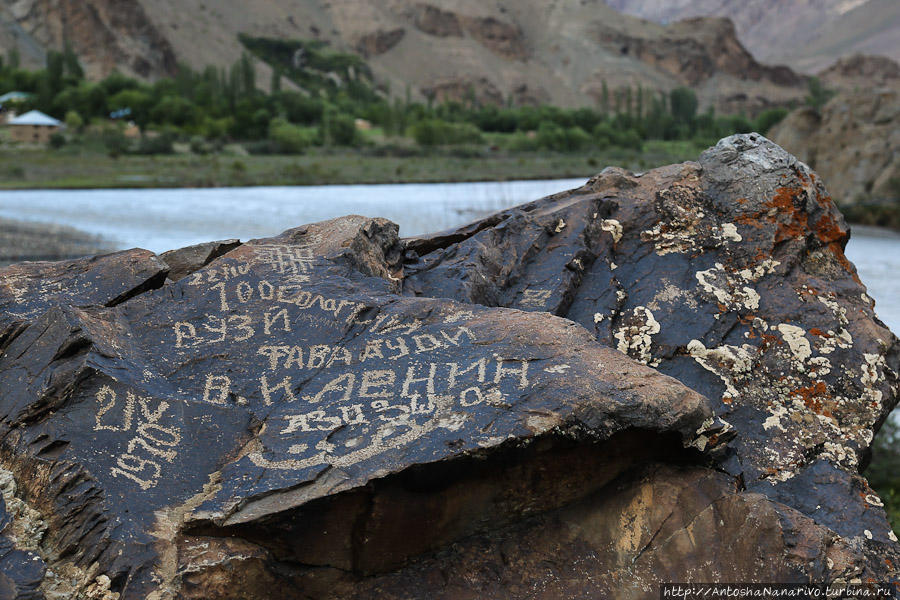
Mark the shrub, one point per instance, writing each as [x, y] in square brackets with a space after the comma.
[339, 129]
[607, 135]
[551, 136]
[115, 143]
[161, 144]
[57, 141]
[818, 93]
[174, 110]
[199, 145]
[435, 132]
[522, 142]
[74, 121]
[768, 119]
[290, 139]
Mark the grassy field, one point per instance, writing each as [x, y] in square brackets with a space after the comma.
[83, 167]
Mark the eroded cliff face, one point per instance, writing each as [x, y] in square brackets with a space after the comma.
[809, 36]
[861, 72]
[582, 396]
[106, 34]
[854, 140]
[531, 51]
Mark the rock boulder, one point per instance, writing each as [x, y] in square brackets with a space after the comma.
[672, 376]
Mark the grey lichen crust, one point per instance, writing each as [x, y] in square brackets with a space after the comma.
[728, 274]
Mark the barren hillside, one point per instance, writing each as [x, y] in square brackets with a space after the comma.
[528, 51]
[808, 35]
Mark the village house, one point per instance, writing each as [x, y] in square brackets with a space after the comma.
[8, 103]
[34, 127]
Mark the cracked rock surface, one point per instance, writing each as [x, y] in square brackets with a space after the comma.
[729, 275]
[336, 412]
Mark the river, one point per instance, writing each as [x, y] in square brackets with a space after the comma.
[162, 219]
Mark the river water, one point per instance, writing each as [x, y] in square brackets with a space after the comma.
[162, 219]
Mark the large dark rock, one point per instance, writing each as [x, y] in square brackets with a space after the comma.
[728, 275]
[289, 420]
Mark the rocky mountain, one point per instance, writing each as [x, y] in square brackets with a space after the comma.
[860, 72]
[854, 141]
[528, 51]
[808, 35]
[629, 383]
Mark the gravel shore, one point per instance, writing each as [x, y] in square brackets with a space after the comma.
[20, 241]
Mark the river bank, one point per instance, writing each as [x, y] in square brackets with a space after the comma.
[20, 241]
[86, 168]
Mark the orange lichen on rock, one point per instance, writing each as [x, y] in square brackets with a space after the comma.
[838, 251]
[785, 201]
[750, 220]
[828, 230]
[813, 397]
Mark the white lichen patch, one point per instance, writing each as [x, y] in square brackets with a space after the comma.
[774, 420]
[752, 274]
[819, 366]
[560, 225]
[671, 294]
[702, 434]
[683, 233]
[634, 336]
[670, 241]
[836, 309]
[613, 227]
[874, 500]
[728, 231]
[795, 338]
[727, 362]
[731, 290]
[872, 374]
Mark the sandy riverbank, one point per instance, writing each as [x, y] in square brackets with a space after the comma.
[20, 241]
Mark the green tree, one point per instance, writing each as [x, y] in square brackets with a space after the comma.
[768, 119]
[818, 94]
[174, 110]
[290, 139]
[639, 109]
[436, 132]
[684, 104]
[339, 129]
[139, 101]
[604, 98]
[70, 61]
[74, 122]
[275, 86]
[247, 75]
[55, 70]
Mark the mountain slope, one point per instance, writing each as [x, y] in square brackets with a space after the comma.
[808, 35]
[527, 52]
